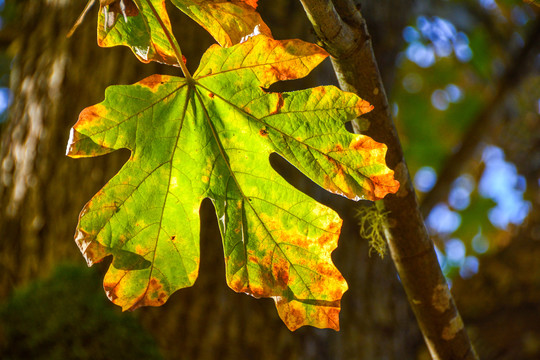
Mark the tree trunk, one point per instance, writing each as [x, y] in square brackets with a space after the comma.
[42, 191]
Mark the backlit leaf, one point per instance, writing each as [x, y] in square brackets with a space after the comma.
[143, 25]
[229, 22]
[211, 137]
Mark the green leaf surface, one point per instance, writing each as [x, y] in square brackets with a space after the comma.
[142, 25]
[211, 137]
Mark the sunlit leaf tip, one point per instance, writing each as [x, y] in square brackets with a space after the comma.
[230, 22]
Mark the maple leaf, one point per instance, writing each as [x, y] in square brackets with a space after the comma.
[210, 136]
[144, 25]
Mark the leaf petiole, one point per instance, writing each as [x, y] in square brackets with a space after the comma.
[170, 37]
[81, 17]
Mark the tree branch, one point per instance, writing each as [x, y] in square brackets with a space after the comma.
[348, 12]
[483, 125]
[410, 246]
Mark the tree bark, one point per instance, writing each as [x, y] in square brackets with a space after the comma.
[42, 191]
[410, 245]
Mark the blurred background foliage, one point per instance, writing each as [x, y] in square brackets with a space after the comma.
[463, 78]
[471, 70]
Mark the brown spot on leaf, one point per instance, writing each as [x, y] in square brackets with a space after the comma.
[211, 95]
[89, 114]
[294, 239]
[155, 294]
[154, 81]
[329, 238]
[335, 227]
[280, 271]
[295, 317]
[263, 132]
[283, 72]
[287, 74]
[327, 270]
[337, 148]
[154, 283]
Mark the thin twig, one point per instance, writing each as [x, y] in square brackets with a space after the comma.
[81, 17]
[170, 38]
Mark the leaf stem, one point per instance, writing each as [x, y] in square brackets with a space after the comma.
[81, 17]
[170, 37]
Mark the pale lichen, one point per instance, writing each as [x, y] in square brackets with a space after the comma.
[441, 298]
[454, 326]
[372, 222]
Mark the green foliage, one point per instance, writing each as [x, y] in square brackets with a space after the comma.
[495, 34]
[144, 25]
[66, 317]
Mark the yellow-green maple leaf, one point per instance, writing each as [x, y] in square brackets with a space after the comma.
[210, 136]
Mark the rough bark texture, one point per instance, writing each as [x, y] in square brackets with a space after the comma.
[42, 191]
[410, 245]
